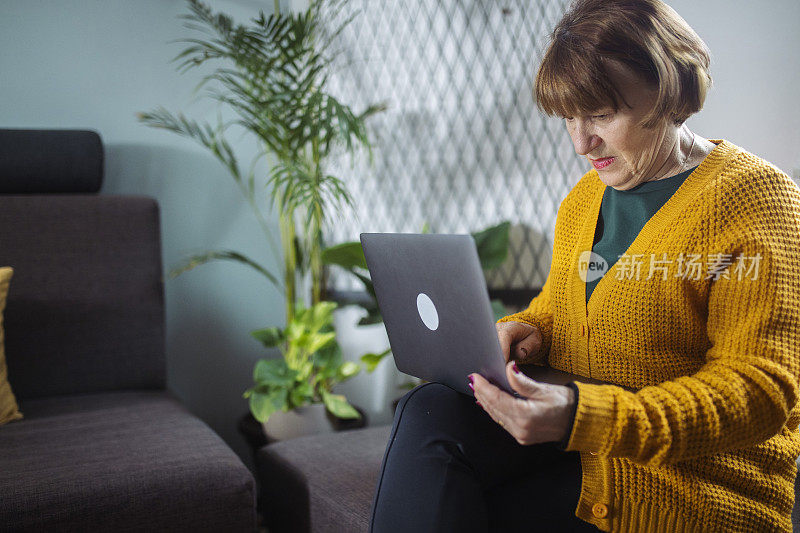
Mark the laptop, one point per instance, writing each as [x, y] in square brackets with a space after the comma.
[432, 294]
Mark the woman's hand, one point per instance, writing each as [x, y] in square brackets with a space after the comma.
[520, 342]
[542, 415]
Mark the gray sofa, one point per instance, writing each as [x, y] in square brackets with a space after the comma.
[103, 446]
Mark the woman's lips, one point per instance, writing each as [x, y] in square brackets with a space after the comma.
[602, 162]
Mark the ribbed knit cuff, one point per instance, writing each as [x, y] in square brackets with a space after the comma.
[594, 419]
[563, 443]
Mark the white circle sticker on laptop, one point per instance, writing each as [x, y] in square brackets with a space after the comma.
[427, 311]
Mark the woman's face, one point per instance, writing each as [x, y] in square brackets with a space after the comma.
[624, 153]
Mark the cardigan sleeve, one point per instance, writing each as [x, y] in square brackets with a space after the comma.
[539, 314]
[747, 387]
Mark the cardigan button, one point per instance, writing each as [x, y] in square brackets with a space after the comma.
[600, 510]
[592, 453]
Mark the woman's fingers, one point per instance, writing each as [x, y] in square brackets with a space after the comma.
[518, 341]
[492, 398]
[528, 347]
[521, 383]
[506, 338]
[540, 415]
[502, 407]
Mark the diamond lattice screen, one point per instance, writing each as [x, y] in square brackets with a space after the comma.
[461, 146]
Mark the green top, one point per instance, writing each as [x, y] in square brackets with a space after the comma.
[623, 214]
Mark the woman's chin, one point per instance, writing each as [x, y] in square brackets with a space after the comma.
[614, 179]
[617, 176]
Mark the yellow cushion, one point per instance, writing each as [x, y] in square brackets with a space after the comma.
[8, 403]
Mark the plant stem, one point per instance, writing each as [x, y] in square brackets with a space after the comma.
[289, 260]
[315, 261]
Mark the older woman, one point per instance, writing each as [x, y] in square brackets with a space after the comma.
[673, 280]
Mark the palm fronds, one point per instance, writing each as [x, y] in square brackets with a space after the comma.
[272, 73]
[202, 258]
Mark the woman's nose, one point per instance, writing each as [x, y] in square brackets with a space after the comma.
[584, 140]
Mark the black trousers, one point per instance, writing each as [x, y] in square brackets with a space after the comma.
[449, 467]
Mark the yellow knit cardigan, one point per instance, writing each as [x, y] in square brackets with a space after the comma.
[698, 430]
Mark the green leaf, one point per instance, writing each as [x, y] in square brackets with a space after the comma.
[373, 317]
[205, 257]
[273, 372]
[263, 405]
[321, 315]
[372, 360]
[492, 245]
[368, 285]
[304, 371]
[302, 394]
[327, 360]
[348, 255]
[348, 370]
[269, 337]
[302, 264]
[303, 341]
[338, 405]
[408, 385]
[295, 330]
[320, 340]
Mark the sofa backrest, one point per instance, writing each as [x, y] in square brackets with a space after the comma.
[85, 309]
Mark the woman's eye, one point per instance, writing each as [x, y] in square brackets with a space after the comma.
[600, 116]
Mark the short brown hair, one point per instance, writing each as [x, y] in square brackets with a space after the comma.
[647, 36]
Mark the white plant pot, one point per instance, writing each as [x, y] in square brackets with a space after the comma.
[299, 422]
[373, 392]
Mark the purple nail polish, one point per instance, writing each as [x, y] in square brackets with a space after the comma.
[515, 368]
[471, 379]
[479, 403]
[471, 387]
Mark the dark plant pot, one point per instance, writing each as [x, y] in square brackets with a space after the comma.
[253, 431]
[301, 421]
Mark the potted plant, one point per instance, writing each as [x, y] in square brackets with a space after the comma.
[300, 382]
[272, 75]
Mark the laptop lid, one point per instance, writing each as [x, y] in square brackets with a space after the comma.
[432, 294]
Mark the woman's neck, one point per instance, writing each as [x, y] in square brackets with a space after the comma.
[688, 150]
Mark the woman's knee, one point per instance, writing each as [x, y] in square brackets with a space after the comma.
[436, 403]
[422, 396]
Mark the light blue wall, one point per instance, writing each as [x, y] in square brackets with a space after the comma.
[95, 64]
[756, 71]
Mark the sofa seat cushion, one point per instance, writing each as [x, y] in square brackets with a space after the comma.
[120, 461]
[321, 483]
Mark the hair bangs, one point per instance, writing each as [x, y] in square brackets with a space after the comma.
[573, 81]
